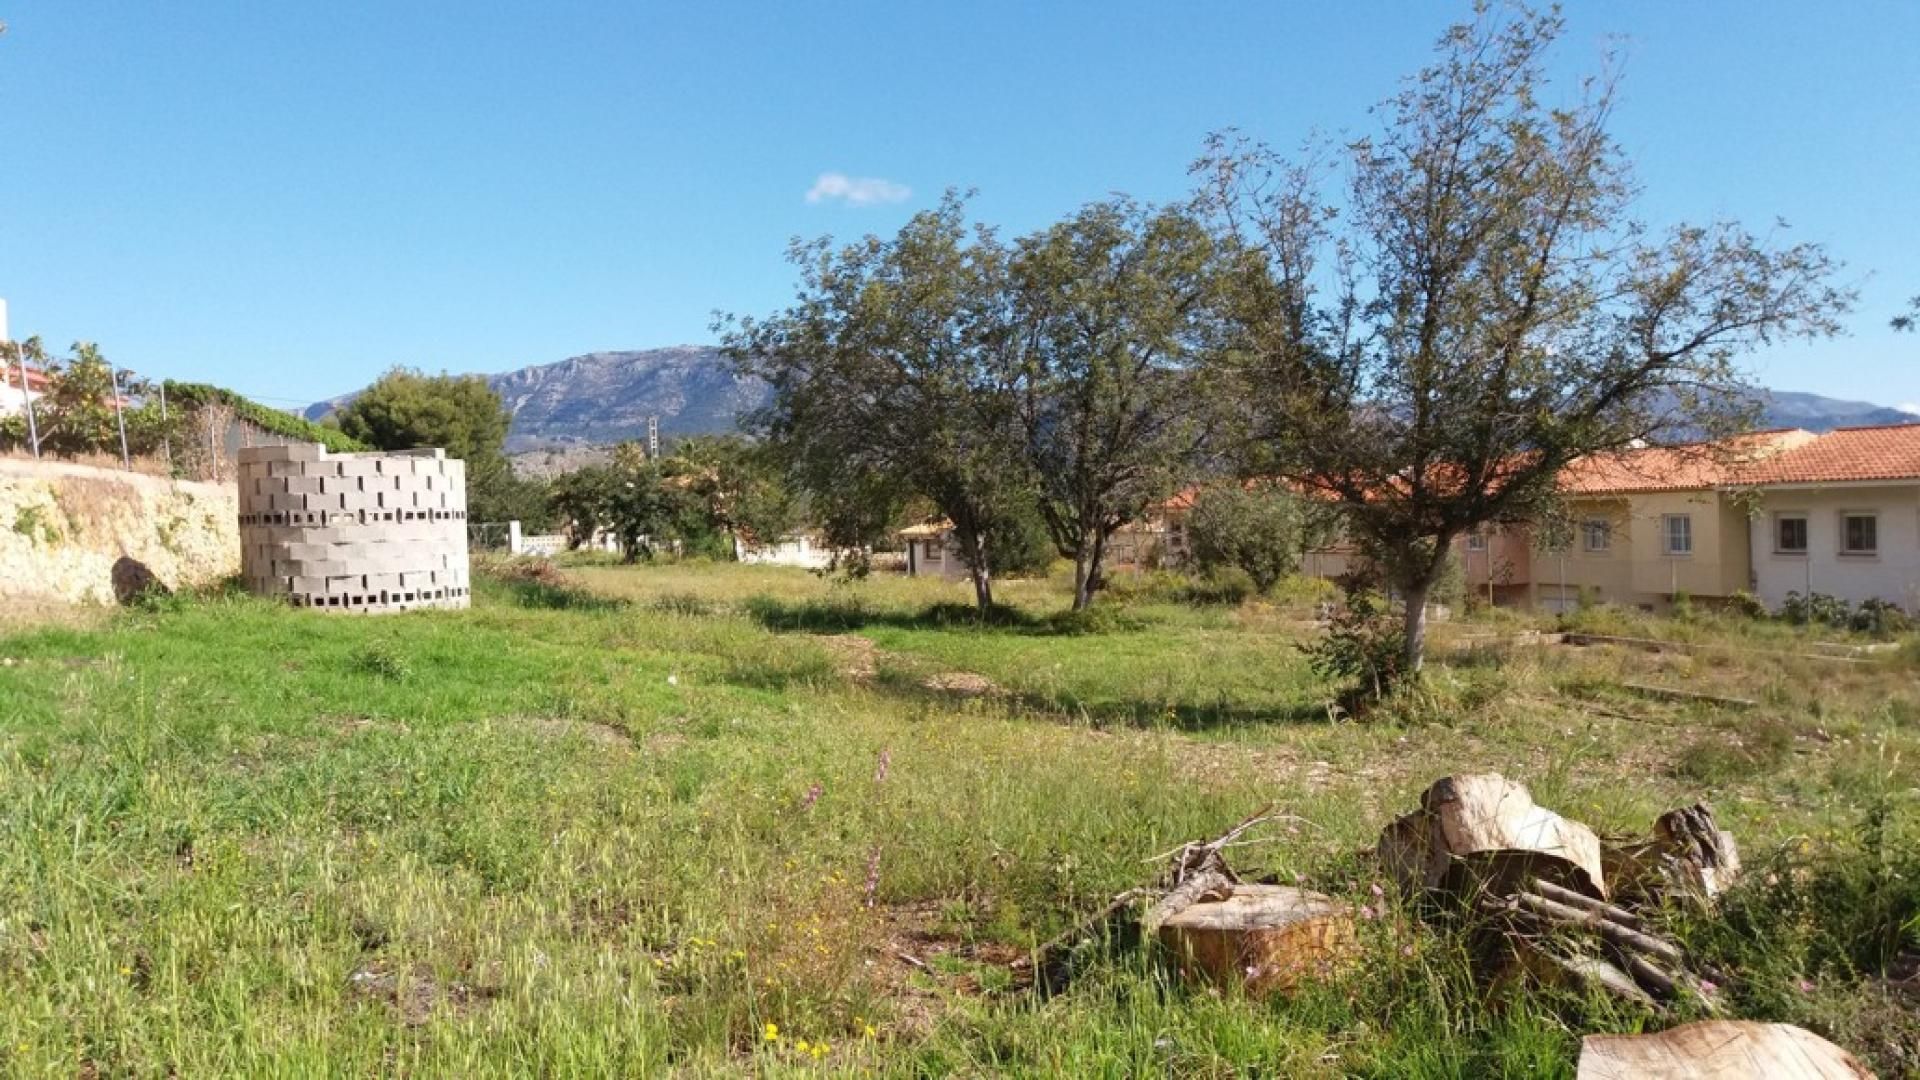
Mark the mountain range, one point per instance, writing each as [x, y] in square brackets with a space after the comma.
[605, 397]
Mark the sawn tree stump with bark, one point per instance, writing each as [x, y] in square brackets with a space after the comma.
[1266, 938]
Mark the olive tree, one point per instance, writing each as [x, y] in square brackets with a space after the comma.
[1116, 314]
[1430, 340]
[889, 381]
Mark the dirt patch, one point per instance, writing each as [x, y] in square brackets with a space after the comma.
[854, 657]
[361, 725]
[592, 731]
[920, 962]
[414, 994]
[964, 684]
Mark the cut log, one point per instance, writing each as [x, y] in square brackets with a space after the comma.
[1592, 971]
[1690, 857]
[1610, 912]
[1266, 938]
[1625, 937]
[1490, 816]
[1718, 1050]
[1706, 858]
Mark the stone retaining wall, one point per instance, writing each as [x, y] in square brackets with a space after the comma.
[66, 527]
[354, 532]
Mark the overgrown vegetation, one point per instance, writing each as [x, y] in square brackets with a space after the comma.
[689, 817]
[188, 396]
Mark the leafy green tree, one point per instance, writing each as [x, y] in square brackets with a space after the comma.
[407, 410]
[1477, 307]
[1262, 530]
[733, 488]
[76, 415]
[1116, 315]
[576, 502]
[888, 381]
[635, 503]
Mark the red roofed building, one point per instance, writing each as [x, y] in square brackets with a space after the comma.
[12, 402]
[1840, 515]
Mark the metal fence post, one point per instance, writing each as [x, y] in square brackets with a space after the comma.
[166, 437]
[120, 417]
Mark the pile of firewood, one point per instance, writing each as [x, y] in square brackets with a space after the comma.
[1547, 898]
[1543, 898]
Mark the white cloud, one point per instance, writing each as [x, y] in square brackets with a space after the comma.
[856, 190]
[1911, 408]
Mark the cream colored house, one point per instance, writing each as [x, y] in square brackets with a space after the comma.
[1840, 516]
[1651, 524]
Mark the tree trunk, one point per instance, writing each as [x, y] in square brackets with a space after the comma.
[1086, 569]
[982, 575]
[1415, 650]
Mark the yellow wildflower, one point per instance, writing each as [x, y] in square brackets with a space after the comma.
[772, 1032]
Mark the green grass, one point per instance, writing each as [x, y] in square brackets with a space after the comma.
[620, 823]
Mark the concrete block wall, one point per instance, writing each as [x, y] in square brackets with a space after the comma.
[354, 532]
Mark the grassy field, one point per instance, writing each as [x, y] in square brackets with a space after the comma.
[720, 819]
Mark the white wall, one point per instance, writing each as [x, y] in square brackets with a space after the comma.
[798, 550]
[1891, 574]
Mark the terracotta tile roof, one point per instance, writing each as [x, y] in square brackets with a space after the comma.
[1886, 452]
[37, 380]
[1687, 467]
[929, 531]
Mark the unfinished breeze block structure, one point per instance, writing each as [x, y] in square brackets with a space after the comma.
[354, 532]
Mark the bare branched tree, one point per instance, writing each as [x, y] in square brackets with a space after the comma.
[1431, 341]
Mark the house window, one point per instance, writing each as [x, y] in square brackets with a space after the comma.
[1676, 533]
[1790, 534]
[1859, 534]
[1476, 541]
[936, 551]
[1596, 535]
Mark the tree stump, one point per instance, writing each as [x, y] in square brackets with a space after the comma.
[1690, 857]
[1267, 938]
[1490, 829]
[1718, 1050]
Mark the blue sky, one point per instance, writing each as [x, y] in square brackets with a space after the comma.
[289, 198]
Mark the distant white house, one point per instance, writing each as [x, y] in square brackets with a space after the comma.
[799, 549]
[931, 551]
[1840, 516]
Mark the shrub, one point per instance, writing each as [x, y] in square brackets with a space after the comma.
[1365, 645]
[1746, 605]
[1682, 604]
[1880, 618]
[1258, 531]
[1816, 609]
[382, 660]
